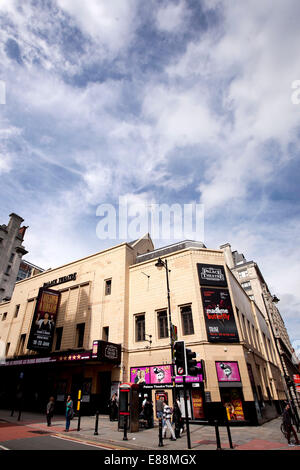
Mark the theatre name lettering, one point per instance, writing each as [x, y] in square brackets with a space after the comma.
[61, 280]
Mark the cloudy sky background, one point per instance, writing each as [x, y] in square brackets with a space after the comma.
[163, 102]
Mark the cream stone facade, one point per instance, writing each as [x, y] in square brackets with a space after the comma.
[120, 297]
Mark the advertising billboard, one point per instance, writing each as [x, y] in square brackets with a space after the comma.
[219, 316]
[44, 319]
[161, 374]
[228, 371]
[211, 275]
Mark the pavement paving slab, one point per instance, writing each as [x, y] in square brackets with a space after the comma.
[267, 437]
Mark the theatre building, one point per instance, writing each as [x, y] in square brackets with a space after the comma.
[109, 323]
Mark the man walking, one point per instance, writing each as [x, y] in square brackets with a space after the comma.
[289, 428]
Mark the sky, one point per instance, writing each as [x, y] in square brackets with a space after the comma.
[160, 102]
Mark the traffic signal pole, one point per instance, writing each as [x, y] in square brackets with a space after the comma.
[186, 415]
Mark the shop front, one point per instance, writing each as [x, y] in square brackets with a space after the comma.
[58, 375]
[231, 391]
[157, 381]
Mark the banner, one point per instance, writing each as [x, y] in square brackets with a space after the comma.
[44, 319]
[219, 316]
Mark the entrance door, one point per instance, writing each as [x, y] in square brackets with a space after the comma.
[104, 389]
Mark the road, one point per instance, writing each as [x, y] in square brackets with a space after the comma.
[28, 437]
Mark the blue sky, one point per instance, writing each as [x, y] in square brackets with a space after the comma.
[162, 101]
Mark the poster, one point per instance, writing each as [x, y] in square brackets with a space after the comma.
[233, 403]
[161, 374]
[219, 316]
[44, 319]
[197, 400]
[228, 371]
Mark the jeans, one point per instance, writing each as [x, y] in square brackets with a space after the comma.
[68, 422]
[168, 425]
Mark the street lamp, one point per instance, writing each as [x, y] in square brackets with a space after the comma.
[164, 264]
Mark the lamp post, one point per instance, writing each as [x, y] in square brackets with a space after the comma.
[164, 264]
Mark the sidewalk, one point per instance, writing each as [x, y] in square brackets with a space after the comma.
[265, 437]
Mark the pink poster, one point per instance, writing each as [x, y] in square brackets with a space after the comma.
[228, 371]
[161, 374]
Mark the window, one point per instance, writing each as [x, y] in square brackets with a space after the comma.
[21, 345]
[80, 334]
[59, 333]
[140, 328]
[11, 257]
[187, 320]
[105, 333]
[8, 270]
[4, 316]
[243, 273]
[17, 310]
[246, 285]
[162, 323]
[7, 349]
[108, 287]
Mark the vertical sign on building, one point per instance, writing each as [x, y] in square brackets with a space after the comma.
[44, 319]
[219, 316]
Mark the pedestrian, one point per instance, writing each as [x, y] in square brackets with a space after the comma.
[167, 422]
[113, 407]
[288, 427]
[177, 418]
[50, 410]
[160, 407]
[69, 412]
[148, 413]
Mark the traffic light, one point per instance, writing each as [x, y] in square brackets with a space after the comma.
[192, 368]
[180, 358]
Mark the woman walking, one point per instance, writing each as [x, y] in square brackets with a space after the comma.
[69, 412]
[167, 422]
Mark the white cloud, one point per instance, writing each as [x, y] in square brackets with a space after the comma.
[109, 22]
[170, 18]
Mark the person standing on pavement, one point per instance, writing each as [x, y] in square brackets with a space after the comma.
[69, 412]
[114, 407]
[167, 422]
[50, 410]
[160, 407]
[148, 413]
[289, 428]
[177, 419]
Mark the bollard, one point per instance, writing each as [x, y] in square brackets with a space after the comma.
[160, 439]
[79, 419]
[96, 424]
[217, 435]
[125, 429]
[229, 434]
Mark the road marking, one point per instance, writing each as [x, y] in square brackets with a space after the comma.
[4, 448]
[82, 442]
